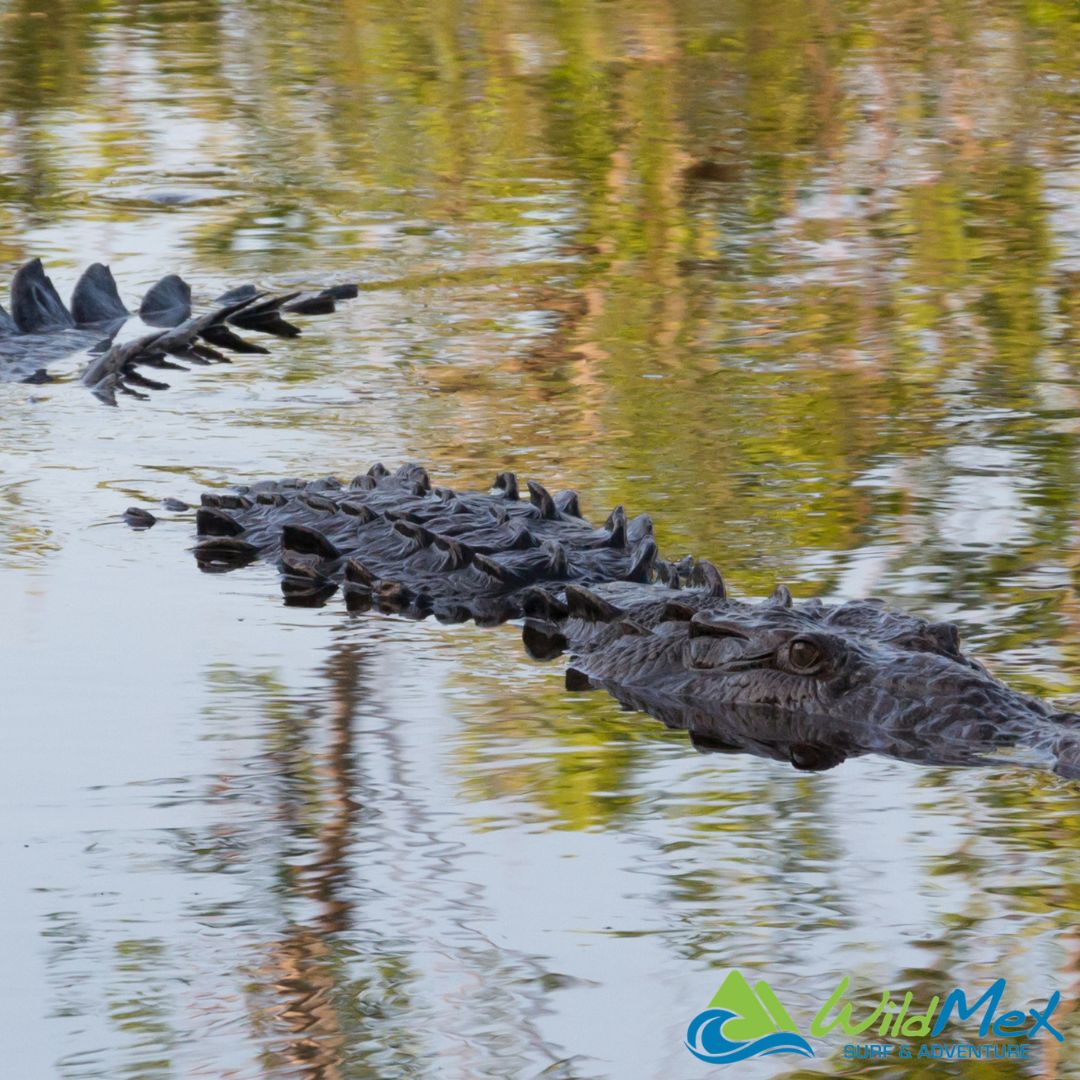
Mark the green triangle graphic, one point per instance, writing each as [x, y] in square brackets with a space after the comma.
[757, 1009]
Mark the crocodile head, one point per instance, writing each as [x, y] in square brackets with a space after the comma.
[812, 683]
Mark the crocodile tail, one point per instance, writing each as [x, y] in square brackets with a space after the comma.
[96, 300]
[220, 335]
[320, 304]
[108, 373]
[36, 306]
[168, 303]
[265, 317]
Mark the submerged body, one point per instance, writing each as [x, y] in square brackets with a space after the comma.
[808, 683]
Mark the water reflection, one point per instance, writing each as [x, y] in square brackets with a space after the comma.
[378, 938]
[377, 879]
[315, 808]
[802, 281]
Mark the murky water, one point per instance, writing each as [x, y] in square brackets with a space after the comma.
[800, 280]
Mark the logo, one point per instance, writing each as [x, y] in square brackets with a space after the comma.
[743, 1021]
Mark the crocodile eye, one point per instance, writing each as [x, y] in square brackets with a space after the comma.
[804, 656]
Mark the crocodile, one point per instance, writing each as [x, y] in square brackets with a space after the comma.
[41, 329]
[398, 542]
[809, 683]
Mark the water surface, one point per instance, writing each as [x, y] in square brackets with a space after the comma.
[800, 280]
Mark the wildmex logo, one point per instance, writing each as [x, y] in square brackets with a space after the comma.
[743, 1021]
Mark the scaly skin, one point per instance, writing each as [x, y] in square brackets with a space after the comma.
[395, 541]
[41, 329]
[809, 683]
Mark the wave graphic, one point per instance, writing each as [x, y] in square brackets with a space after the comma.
[705, 1040]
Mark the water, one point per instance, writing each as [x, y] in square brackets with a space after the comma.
[801, 281]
